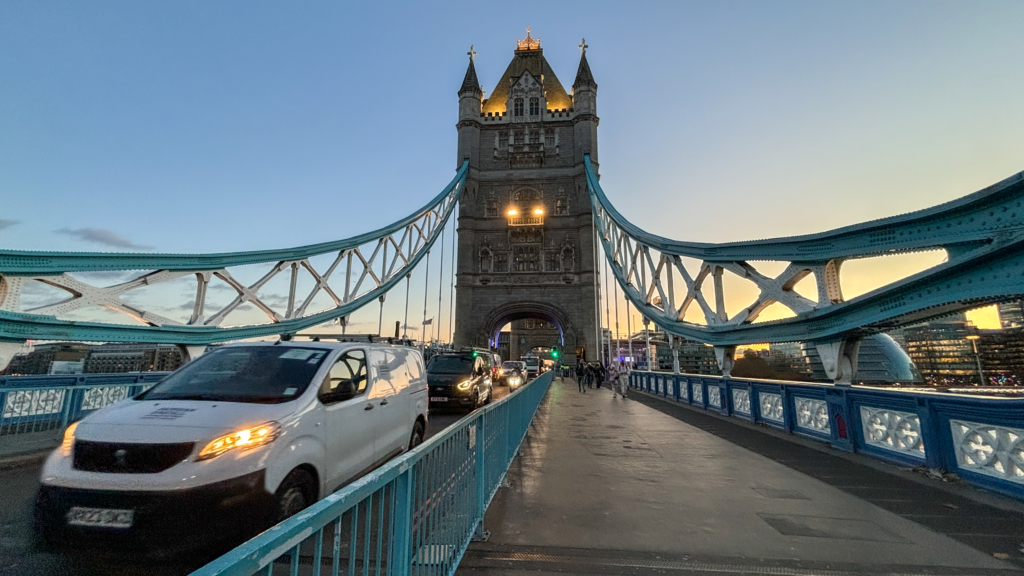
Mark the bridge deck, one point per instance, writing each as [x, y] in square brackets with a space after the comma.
[606, 486]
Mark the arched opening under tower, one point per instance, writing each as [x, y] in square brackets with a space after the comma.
[517, 329]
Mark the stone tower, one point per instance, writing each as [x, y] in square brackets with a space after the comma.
[525, 228]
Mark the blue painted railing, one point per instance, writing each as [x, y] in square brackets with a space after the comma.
[35, 410]
[979, 439]
[416, 515]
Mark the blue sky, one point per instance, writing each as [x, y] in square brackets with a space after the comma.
[200, 127]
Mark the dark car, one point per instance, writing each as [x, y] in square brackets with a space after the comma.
[512, 374]
[459, 380]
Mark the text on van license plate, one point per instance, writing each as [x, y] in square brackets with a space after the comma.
[438, 399]
[101, 517]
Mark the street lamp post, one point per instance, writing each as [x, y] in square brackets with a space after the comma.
[974, 344]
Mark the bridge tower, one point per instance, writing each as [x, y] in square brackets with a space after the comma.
[525, 228]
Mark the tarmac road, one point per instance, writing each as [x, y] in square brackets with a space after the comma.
[18, 556]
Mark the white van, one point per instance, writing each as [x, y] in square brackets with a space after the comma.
[233, 442]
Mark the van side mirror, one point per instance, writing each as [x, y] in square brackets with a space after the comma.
[345, 390]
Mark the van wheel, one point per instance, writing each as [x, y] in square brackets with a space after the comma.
[296, 493]
[490, 395]
[417, 435]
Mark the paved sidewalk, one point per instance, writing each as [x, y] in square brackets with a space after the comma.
[611, 486]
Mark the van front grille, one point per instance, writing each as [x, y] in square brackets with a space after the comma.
[125, 458]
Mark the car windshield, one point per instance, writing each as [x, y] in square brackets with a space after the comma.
[510, 365]
[530, 361]
[254, 374]
[450, 365]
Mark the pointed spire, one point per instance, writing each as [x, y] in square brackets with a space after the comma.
[583, 74]
[470, 82]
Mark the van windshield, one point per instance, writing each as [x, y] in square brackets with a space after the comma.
[254, 374]
[510, 365]
[530, 361]
[450, 365]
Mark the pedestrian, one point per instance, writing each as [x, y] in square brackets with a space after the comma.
[601, 375]
[613, 376]
[624, 378]
[581, 378]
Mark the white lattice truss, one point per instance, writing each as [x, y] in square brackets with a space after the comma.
[353, 273]
[654, 276]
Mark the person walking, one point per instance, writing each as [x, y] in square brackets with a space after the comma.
[581, 376]
[624, 379]
[613, 376]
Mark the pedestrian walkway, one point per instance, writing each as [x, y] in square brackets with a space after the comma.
[611, 486]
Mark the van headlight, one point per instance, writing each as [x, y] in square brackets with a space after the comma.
[69, 440]
[243, 440]
[464, 385]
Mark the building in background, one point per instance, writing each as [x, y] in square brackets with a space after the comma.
[942, 352]
[694, 358]
[42, 356]
[76, 358]
[1011, 314]
[114, 358]
[1002, 356]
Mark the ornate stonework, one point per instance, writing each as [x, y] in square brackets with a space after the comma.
[527, 236]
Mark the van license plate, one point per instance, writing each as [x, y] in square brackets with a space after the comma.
[100, 517]
[438, 399]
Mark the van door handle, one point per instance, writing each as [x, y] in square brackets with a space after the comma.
[368, 407]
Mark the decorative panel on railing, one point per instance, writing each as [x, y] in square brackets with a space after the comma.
[893, 430]
[741, 401]
[811, 415]
[996, 451]
[771, 407]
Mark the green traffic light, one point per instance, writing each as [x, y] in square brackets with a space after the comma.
[554, 353]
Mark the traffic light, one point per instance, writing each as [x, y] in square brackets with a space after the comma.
[555, 353]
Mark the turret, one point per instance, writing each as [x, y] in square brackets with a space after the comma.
[470, 101]
[584, 100]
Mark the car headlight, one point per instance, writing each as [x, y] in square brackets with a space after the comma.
[501, 371]
[242, 440]
[464, 385]
[69, 440]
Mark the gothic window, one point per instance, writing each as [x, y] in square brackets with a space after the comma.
[527, 259]
[561, 207]
[531, 324]
[518, 107]
[568, 258]
[501, 262]
[552, 263]
[549, 138]
[534, 137]
[519, 138]
[491, 208]
[503, 140]
[534, 106]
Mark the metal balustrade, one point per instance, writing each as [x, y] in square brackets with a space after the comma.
[981, 439]
[37, 409]
[414, 516]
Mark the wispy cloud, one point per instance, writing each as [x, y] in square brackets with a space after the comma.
[102, 236]
[5, 224]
